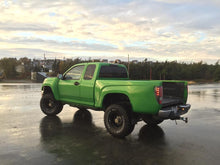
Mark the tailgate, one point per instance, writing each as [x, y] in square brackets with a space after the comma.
[173, 93]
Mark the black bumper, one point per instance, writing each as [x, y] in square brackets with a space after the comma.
[174, 112]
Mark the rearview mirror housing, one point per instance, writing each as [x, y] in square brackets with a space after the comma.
[60, 76]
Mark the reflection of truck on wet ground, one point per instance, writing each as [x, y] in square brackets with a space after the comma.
[106, 87]
[83, 137]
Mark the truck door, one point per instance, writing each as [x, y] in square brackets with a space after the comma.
[69, 86]
[87, 85]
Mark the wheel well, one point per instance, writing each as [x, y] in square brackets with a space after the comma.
[116, 98]
[47, 90]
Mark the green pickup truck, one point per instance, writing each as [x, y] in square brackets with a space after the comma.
[106, 87]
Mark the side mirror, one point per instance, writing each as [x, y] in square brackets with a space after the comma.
[60, 76]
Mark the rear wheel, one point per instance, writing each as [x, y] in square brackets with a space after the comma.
[49, 105]
[152, 120]
[117, 121]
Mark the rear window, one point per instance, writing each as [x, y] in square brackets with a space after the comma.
[113, 71]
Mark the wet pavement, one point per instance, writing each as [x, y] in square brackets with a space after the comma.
[27, 136]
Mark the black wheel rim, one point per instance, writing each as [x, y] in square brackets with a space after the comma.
[115, 119]
[49, 103]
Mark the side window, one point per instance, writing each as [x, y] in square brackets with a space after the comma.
[89, 72]
[74, 73]
[113, 71]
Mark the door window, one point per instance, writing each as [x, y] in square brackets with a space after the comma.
[75, 73]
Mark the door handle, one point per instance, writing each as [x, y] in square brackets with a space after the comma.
[76, 83]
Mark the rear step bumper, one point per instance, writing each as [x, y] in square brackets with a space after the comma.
[174, 112]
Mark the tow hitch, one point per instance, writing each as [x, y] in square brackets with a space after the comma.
[185, 119]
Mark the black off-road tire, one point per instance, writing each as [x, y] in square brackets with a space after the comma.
[49, 105]
[151, 120]
[118, 121]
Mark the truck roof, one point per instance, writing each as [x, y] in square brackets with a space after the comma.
[100, 63]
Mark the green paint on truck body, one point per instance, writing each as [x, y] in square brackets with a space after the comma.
[91, 92]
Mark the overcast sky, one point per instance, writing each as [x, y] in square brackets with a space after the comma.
[182, 30]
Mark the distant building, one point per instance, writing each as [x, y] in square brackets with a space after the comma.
[38, 76]
[96, 60]
[134, 61]
[20, 69]
[35, 63]
[118, 61]
[104, 60]
[49, 64]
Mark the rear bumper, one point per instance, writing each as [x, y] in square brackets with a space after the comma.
[174, 112]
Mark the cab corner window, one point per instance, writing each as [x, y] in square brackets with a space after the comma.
[75, 73]
[89, 72]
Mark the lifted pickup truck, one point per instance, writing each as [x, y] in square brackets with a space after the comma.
[106, 87]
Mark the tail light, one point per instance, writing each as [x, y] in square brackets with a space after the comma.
[159, 94]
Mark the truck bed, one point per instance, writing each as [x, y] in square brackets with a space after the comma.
[173, 93]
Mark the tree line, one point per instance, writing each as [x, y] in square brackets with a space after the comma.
[173, 70]
[144, 70]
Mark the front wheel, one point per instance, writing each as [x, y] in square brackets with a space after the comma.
[49, 105]
[117, 121]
